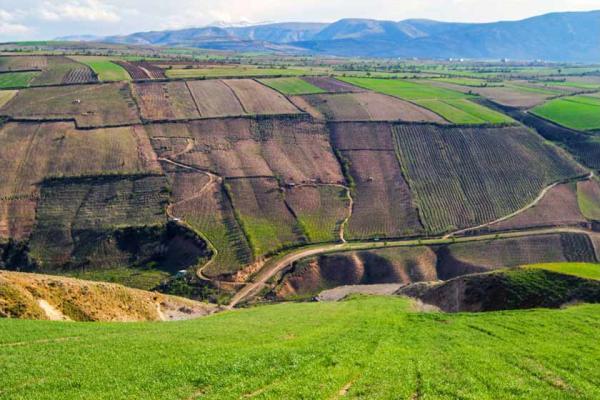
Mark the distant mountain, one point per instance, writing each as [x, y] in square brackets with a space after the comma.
[569, 36]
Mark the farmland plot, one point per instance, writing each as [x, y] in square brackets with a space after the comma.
[320, 210]
[265, 219]
[257, 99]
[291, 86]
[455, 259]
[57, 149]
[215, 99]
[22, 63]
[588, 194]
[105, 69]
[369, 106]
[89, 105]
[578, 112]
[6, 95]
[72, 210]
[165, 101]
[63, 70]
[383, 203]
[466, 177]
[16, 80]
[331, 85]
[558, 207]
[362, 136]
[206, 208]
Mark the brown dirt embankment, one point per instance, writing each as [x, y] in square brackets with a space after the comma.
[34, 296]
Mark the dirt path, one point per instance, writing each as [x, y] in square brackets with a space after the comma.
[275, 265]
[52, 313]
[519, 211]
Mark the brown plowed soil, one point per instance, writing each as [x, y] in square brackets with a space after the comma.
[369, 106]
[215, 99]
[331, 85]
[258, 99]
[362, 136]
[165, 101]
[558, 207]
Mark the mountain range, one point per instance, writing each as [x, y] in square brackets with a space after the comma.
[568, 36]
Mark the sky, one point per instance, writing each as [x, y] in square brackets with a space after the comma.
[49, 19]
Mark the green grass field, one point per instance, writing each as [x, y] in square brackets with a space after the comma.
[107, 70]
[578, 112]
[16, 80]
[292, 86]
[453, 106]
[582, 270]
[232, 72]
[361, 348]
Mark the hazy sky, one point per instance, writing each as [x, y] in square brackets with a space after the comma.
[47, 19]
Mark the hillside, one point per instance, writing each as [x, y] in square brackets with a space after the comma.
[570, 36]
[33, 296]
[355, 348]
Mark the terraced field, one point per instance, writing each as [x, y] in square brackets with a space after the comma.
[368, 106]
[63, 70]
[215, 99]
[452, 105]
[257, 99]
[291, 86]
[233, 72]
[74, 213]
[261, 211]
[383, 203]
[461, 258]
[22, 63]
[89, 105]
[16, 80]
[578, 112]
[466, 177]
[165, 101]
[106, 69]
[320, 210]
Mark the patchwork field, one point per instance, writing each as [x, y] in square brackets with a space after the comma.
[165, 101]
[63, 70]
[579, 112]
[368, 106]
[558, 207]
[588, 194]
[258, 99]
[383, 203]
[261, 211]
[362, 136]
[466, 177]
[462, 258]
[291, 86]
[452, 105]
[203, 205]
[319, 210]
[331, 85]
[105, 69]
[57, 149]
[89, 105]
[22, 63]
[232, 72]
[16, 80]
[215, 99]
[73, 213]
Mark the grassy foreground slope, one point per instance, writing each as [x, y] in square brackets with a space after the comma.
[362, 348]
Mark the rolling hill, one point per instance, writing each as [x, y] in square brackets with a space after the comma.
[569, 36]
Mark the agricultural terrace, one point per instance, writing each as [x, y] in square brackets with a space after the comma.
[360, 346]
[165, 101]
[367, 106]
[578, 112]
[234, 72]
[105, 69]
[512, 252]
[63, 70]
[467, 177]
[89, 105]
[291, 86]
[331, 85]
[588, 194]
[73, 209]
[582, 270]
[22, 63]
[452, 105]
[263, 215]
[16, 80]
[6, 95]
